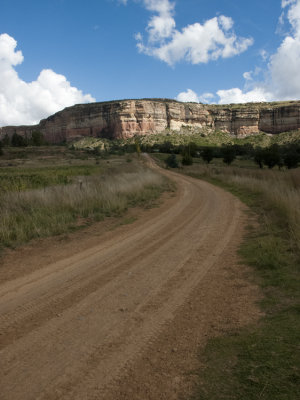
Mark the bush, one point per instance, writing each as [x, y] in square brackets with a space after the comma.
[37, 138]
[171, 161]
[18, 140]
[271, 156]
[193, 149]
[166, 147]
[187, 159]
[186, 156]
[259, 157]
[291, 157]
[228, 154]
[6, 140]
[207, 154]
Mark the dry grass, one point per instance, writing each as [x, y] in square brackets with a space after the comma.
[57, 209]
[262, 360]
[280, 189]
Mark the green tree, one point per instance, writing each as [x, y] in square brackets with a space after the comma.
[1, 148]
[6, 140]
[186, 157]
[259, 157]
[271, 156]
[166, 147]
[228, 154]
[291, 157]
[37, 138]
[193, 149]
[207, 154]
[246, 150]
[171, 161]
[18, 140]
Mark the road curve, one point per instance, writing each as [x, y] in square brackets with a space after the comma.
[70, 329]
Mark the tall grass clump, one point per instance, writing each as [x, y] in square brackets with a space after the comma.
[57, 209]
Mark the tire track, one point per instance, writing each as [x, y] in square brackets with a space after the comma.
[71, 329]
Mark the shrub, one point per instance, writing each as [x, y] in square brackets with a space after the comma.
[166, 147]
[271, 156]
[228, 154]
[18, 140]
[193, 149]
[291, 157]
[187, 159]
[259, 157]
[6, 140]
[186, 156]
[171, 161]
[207, 154]
[37, 138]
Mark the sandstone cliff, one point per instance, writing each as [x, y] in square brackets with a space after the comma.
[126, 118]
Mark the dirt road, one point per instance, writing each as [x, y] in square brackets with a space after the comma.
[70, 328]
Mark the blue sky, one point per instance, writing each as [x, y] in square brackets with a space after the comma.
[55, 53]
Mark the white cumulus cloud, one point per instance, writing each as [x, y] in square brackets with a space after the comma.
[206, 97]
[285, 3]
[27, 102]
[196, 43]
[236, 95]
[282, 74]
[191, 96]
[188, 96]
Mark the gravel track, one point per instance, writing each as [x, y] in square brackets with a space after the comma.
[71, 328]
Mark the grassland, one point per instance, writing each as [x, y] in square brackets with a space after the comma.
[262, 361]
[38, 199]
[14, 179]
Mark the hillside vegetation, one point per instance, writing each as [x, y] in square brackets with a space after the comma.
[203, 138]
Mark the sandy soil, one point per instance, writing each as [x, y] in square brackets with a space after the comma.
[120, 314]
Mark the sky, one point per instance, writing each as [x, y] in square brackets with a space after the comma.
[56, 53]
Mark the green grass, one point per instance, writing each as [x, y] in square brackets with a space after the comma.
[19, 179]
[59, 209]
[261, 361]
[39, 201]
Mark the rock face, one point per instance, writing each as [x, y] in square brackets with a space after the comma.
[127, 118]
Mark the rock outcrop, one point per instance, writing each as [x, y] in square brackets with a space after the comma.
[127, 118]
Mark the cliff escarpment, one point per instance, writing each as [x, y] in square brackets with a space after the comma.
[127, 118]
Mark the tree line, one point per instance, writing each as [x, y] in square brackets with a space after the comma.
[275, 155]
[16, 140]
[287, 155]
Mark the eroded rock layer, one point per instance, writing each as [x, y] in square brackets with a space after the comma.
[127, 118]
